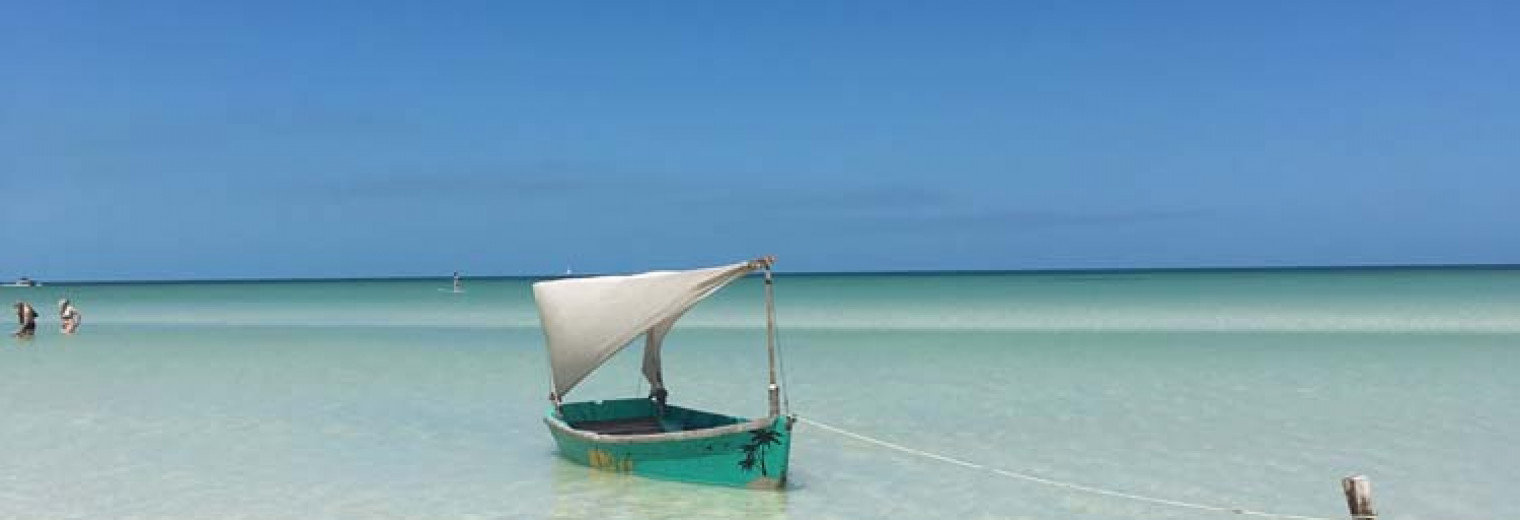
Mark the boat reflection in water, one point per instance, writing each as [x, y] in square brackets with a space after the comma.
[581, 492]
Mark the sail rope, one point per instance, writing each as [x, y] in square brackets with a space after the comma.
[786, 399]
[1056, 483]
[778, 363]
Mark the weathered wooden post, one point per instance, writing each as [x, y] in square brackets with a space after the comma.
[1359, 497]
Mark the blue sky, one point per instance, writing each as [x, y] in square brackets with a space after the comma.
[187, 139]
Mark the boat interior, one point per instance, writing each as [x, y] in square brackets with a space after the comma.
[638, 416]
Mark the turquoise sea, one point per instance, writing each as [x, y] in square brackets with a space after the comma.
[399, 399]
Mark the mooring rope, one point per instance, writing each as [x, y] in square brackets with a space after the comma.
[1056, 483]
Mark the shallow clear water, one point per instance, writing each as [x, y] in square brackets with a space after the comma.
[399, 399]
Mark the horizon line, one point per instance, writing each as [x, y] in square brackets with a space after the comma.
[904, 272]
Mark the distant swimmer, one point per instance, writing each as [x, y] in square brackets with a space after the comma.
[457, 288]
[70, 316]
[26, 316]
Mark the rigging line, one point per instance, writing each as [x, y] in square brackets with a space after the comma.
[1056, 483]
[780, 361]
[773, 337]
[786, 398]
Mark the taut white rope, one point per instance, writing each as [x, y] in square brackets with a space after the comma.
[1056, 483]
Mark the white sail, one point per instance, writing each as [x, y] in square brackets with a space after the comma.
[587, 320]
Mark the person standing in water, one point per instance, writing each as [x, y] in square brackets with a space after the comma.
[69, 315]
[456, 282]
[26, 316]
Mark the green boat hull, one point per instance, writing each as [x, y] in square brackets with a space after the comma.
[682, 444]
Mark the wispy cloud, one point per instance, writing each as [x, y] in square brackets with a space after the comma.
[902, 206]
[810, 202]
[219, 128]
[888, 198]
[445, 182]
[422, 186]
[1024, 219]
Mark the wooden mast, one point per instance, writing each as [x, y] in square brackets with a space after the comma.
[773, 390]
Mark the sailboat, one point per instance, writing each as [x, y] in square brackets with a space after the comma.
[588, 320]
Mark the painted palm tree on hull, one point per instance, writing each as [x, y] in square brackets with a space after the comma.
[759, 445]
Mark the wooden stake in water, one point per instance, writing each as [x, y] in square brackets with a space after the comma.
[1359, 497]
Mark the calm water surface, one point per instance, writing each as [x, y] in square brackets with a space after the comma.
[398, 399]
